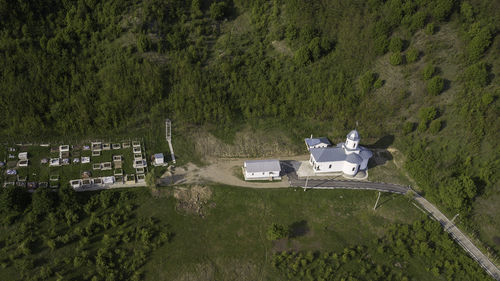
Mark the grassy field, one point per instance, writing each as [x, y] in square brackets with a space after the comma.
[230, 242]
[197, 233]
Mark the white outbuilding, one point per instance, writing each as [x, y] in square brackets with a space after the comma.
[262, 169]
[159, 159]
[348, 157]
[317, 142]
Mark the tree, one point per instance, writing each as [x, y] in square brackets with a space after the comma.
[480, 42]
[303, 56]
[435, 85]
[196, 9]
[277, 231]
[396, 45]
[427, 114]
[44, 201]
[428, 71]
[143, 43]
[430, 28]
[435, 126]
[408, 127]
[396, 59]
[442, 9]
[412, 55]
[476, 75]
[14, 198]
[218, 10]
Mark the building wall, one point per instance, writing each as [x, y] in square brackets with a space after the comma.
[364, 164]
[262, 175]
[350, 168]
[328, 167]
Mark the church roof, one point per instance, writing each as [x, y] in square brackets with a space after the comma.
[353, 135]
[315, 141]
[365, 154]
[353, 158]
[257, 166]
[328, 154]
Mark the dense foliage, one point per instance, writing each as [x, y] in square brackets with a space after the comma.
[71, 237]
[86, 68]
[419, 241]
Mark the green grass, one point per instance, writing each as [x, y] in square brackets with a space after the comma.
[231, 240]
[228, 242]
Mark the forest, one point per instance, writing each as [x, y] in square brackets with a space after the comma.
[91, 68]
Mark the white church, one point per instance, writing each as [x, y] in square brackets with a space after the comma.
[347, 157]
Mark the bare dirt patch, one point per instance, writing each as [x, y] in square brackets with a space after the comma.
[282, 48]
[193, 200]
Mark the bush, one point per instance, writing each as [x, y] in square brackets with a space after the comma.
[380, 44]
[396, 45]
[378, 84]
[217, 10]
[479, 43]
[435, 86]
[435, 126]
[428, 71]
[442, 9]
[396, 59]
[430, 29]
[143, 43]
[427, 114]
[476, 75]
[412, 55]
[303, 56]
[277, 231]
[408, 127]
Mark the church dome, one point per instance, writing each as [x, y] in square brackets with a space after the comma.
[353, 135]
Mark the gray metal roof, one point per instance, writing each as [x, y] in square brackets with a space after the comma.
[353, 158]
[257, 166]
[353, 135]
[365, 153]
[328, 154]
[315, 141]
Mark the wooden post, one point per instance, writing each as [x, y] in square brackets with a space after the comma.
[376, 202]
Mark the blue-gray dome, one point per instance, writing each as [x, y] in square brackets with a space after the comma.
[353, 135]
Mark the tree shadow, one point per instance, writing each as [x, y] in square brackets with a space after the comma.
[299, 228]
[379, 158]
[447, 85]
[384, 142]
[384, 198]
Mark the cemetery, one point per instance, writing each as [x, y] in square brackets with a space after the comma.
[85, 166]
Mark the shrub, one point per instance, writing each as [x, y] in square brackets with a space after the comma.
[422, 126]
[408, 127]
[396, 59]
[428, 71]
[479, 43]
[380, 44]
[442, 9]
[430, 29]
[412, 55]
[435, 126]
[378, 84]
[217, 10]
[427, 114]
[396, 45]
[435, 86]
[277, 231]
[476, 75]
[143, 43]
[303, 56]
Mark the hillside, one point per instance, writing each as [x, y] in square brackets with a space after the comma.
[424, 75]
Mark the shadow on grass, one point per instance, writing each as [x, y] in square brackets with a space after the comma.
[299, 228]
